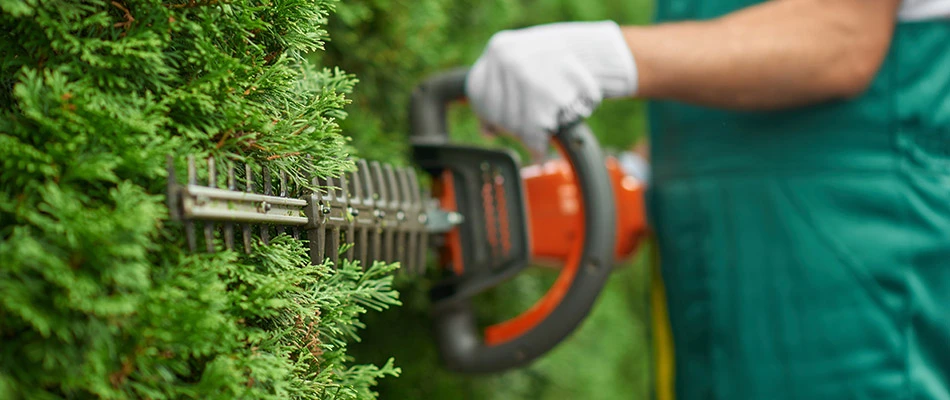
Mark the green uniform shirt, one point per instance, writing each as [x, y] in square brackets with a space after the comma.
[806, 253]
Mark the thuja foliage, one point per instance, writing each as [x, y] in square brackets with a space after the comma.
[97, 296]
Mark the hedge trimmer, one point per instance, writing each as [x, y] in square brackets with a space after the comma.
[485, 218]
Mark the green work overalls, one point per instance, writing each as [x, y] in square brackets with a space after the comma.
[805, 254]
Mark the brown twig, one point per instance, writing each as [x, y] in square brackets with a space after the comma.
[117, 378]
[126, 14]
[224, 137]
[310, 336]
[271, 56]
[298, 131]
[256, 146]
[276, 156]
[191, 4]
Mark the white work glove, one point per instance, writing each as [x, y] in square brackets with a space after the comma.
[530, 82]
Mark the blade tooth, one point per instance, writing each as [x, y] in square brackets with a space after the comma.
[229, 237]
[292, 188]
[368, 188]
[362, 252]
[404, 193]
[331, 185]
[329, 201]
[391, 207]
[350, 238]
[315, 238]
[318, 235]
[388, 244]
[409, 229]
[190, 235]
[350, 226]
[356, 185]
[333, 247]
[402, 252]
[283, 193]
[342, 194]
[376, 245]
[283, 183]
[423, 249]
[368, 191]
[295, 192]
[192, 174]
[212, 173]
[376, 173]
[392, 188]
[209, 227]
[387, 236]
[228, 226]
[416, 246]
[316, 181]
[355, 201]
[189, 224]
[414, 187]
[249, 188]
[321, 243]
[353, 195]
[379, 204]
[320, 186]
[265, 232]
[328, 187]
[267, 180]
[337, 198]
[411, 226]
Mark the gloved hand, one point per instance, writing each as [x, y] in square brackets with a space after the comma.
[529, 82]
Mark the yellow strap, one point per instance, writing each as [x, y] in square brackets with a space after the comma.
[662, 335]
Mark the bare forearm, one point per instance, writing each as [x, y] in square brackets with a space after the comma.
[778, 54]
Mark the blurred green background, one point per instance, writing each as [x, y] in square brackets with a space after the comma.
[390, 45]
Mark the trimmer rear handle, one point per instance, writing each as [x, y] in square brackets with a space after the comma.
[430, 100]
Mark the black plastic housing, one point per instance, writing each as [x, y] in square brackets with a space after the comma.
[489, 256]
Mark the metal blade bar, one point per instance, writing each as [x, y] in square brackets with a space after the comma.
[380, 210]
[211, 204]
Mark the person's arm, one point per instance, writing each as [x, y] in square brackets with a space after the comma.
[778, 54]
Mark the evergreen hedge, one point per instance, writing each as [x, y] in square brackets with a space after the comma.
[100, 300]
[97, 296]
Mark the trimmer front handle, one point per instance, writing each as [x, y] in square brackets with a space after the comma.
[518, 341]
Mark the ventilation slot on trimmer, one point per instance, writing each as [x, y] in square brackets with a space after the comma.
[496, 212]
